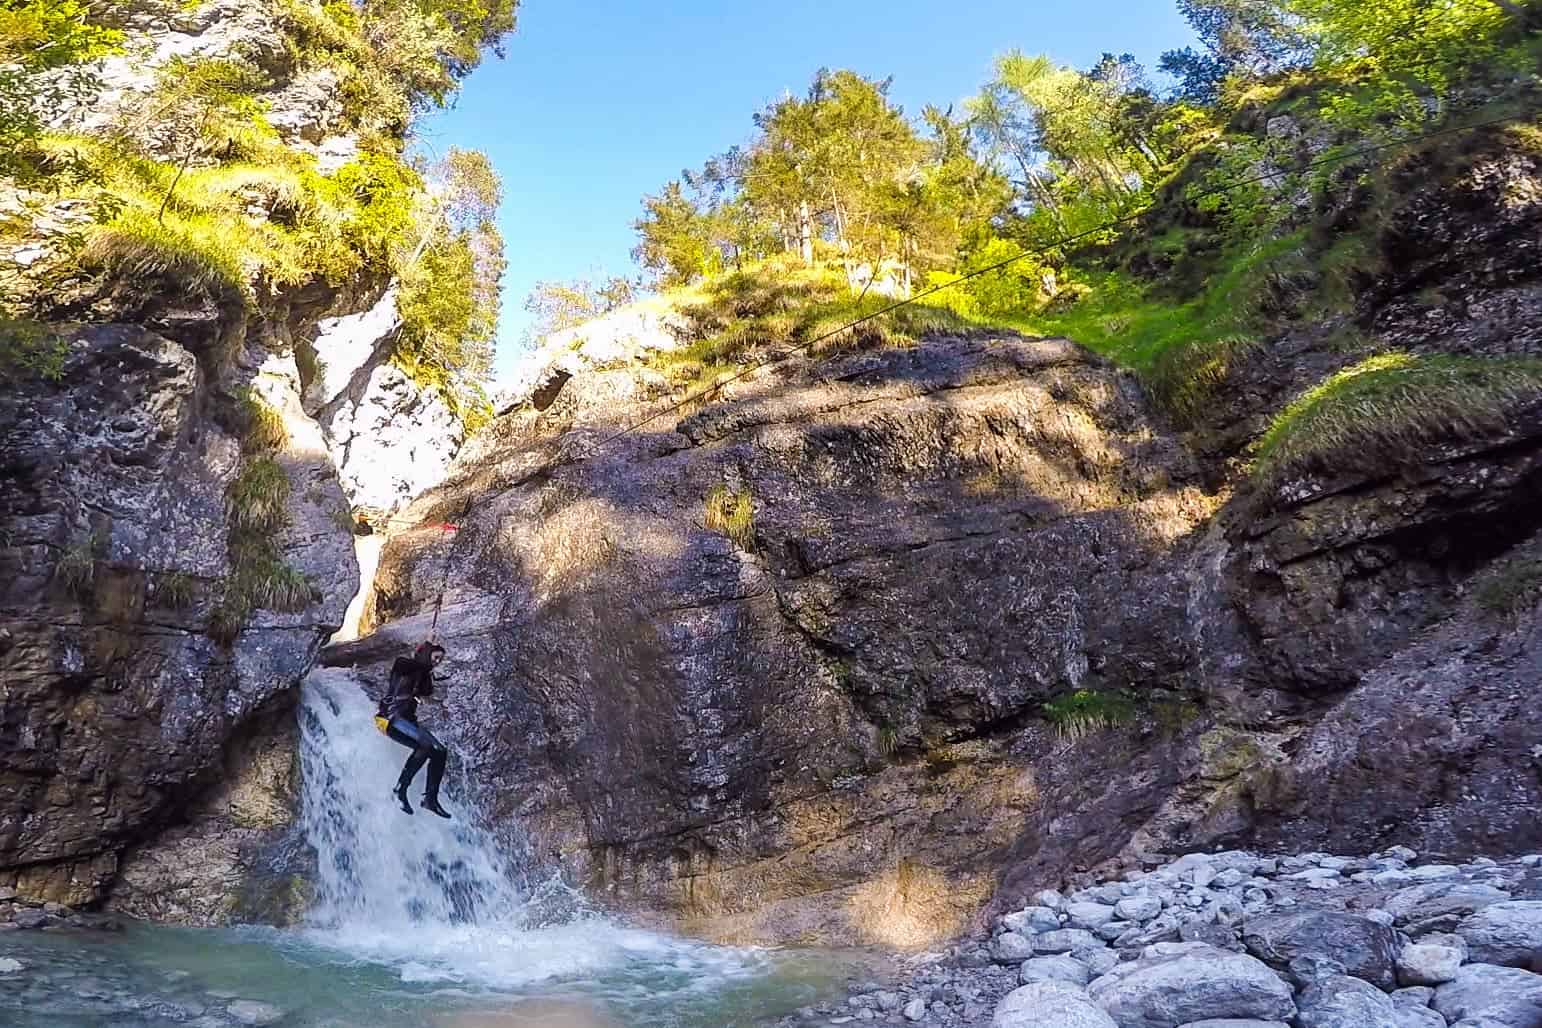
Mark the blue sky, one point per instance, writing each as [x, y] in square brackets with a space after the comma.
[601, 101]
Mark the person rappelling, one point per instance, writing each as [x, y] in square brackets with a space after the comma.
[412, 679]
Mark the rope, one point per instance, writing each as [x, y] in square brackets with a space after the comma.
[557, 462]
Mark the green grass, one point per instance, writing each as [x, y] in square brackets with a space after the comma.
[1388, 408]
[76, 570]
[259, 497]
[174, 590]
[30, 349]
[259, 579]
[193, 254]
[261, 427]
[1085, 712]
[1512, 590]
[779, 305]
[1185, 351]
[732, 514]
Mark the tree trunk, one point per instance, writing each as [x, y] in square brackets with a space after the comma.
[806, 233]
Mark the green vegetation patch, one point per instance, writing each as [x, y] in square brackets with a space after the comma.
[259, 497]
[260, 426]
[30, 349]
[1385, 409]
[1085, 712]
[1512, 590]
[174, 590]
[76, 570]
[732, 514]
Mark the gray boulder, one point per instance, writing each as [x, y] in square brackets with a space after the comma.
[1366, 949]
[1049, 1003]
[1090, 916]
[1064, 940]
[1340, 1001]
[1417, 1017]
[1059, 968]
[1234, 1022]
[1413, 996]
[1138, 908]
[1429, 907]
[1427, 964]
[1505, 933]
[1011, 948]
[1099, 959]
[1031, 921]
[1176, 983]
[1505, 994]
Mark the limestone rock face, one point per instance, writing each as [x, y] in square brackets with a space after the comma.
[943, 538]
[117, 702]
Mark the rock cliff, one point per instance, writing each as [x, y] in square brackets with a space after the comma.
[871, 642]
[177, 538]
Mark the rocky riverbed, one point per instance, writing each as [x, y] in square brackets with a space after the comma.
[1240, 940]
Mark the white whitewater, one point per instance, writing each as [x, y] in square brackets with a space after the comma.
[434, 899]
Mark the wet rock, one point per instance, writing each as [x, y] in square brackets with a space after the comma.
[30, 919]
[1505, 994]
[1049, 1003]
[251, 1012]
[1174, 983]
[1508, 933]
[1366, 949]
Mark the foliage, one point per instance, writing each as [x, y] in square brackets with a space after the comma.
[558, 306]
[1383, 410]
[30, 349]
[259, 579]
[1239, 38]
[732, 514]
[1408, 55]
[259, 496]
[838, 172]
[450, 281]
[76, 570]
[39, 36]
[1512, 589]
[1085, 712]
[174, 590]
[261, 427]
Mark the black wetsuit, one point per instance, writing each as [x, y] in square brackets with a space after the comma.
[410, 680]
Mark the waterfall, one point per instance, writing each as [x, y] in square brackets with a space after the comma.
[437, 900]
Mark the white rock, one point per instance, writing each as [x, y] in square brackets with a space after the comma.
[1064, 940]
[915, 1010]
[1339, 1001]
[249, 1011]
[1313, 873]
[10, 965]
[1505, 933]
[1049, 898]
[1138, 908]
[1379, 916]
[1049, 1003]
[1203, 875]
[1427, 965]
[1402, 853]
[1506, 994]
[1054, 969]
[1175, 983]
[1011, 948]
[1089, 915]
[1031, 921]
[1429, 872]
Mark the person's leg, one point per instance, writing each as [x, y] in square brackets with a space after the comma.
[408, 734]
[437, 757]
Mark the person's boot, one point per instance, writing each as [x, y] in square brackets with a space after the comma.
[431, 804]
[400, 792]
